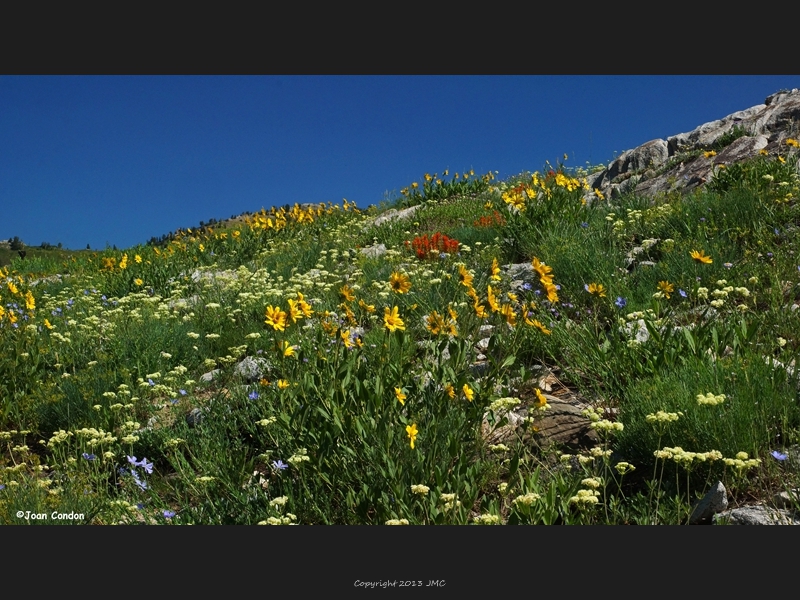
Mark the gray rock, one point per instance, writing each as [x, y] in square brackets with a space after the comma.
[715, 501]
[393, 213]
[766, 125]
[374, 251]
[756, 515]
[252, 369]
[195, 417]
[210, 376]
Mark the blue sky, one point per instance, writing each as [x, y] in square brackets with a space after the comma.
[119, 159]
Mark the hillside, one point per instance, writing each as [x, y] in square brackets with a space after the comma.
[547, 349]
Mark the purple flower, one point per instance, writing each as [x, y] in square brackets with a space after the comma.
[584, 224]
[182, 392]
[132, 460]
[527, 286]
[279, 465]
[88, 456]
[682, 293]
[168, 514]
[148, 467]
[778, 456]
[253, 395]
[150, 382]
[2, 486]
[620, 302]
[139, 482]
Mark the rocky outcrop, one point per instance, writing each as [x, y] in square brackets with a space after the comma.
[680, 163]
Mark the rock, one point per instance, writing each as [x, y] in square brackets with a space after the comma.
[715, 501]
[374, 251]
[252, 369]
[756, 515]
[766, 126]
[195, 417]
[564, 424]
[393, 213]
[210, 376]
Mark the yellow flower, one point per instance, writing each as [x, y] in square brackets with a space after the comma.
[450, 391]
[282, 384]
[464, 276]
[434, 323]
[138, 281]
[347, 339]
[792, 142]
[480, 310]
[552, 294]
[492, 300]
[495, 270]
[709, 154]
[538, 325]
[399, 283]
[294, 310]
[30, 303]
[370, 308]
[596, 289]
[347, 293]
[287, 349]
[138, 259]
[666, 288]
[236, 233]
[276, 318]
[507, 311]
[468, 392]
[392, 320]
[46, 323]
[763, 152]
[304, 306]
[781, 159]
[412, 432]
[12, 288]
[541, 401]
[123, 264]
[398, 392]
[700, 257]
[542, 269]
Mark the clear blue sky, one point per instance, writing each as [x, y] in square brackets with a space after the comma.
[119, 159]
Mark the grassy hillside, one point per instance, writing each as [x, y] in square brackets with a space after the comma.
[315, 366]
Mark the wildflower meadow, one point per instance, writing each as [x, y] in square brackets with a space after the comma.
[305, 365]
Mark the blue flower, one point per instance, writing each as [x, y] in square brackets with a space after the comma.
[150, 382]
[584, 224]
[132, 460]
[279, 465]
[140, 482]
[778, 456]
[168, 514]
[182, 392]
[253, 395]
[148, 467]
[682, 293]
[527, 286]
[2, 486]
[620, 302]
[88, 456]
